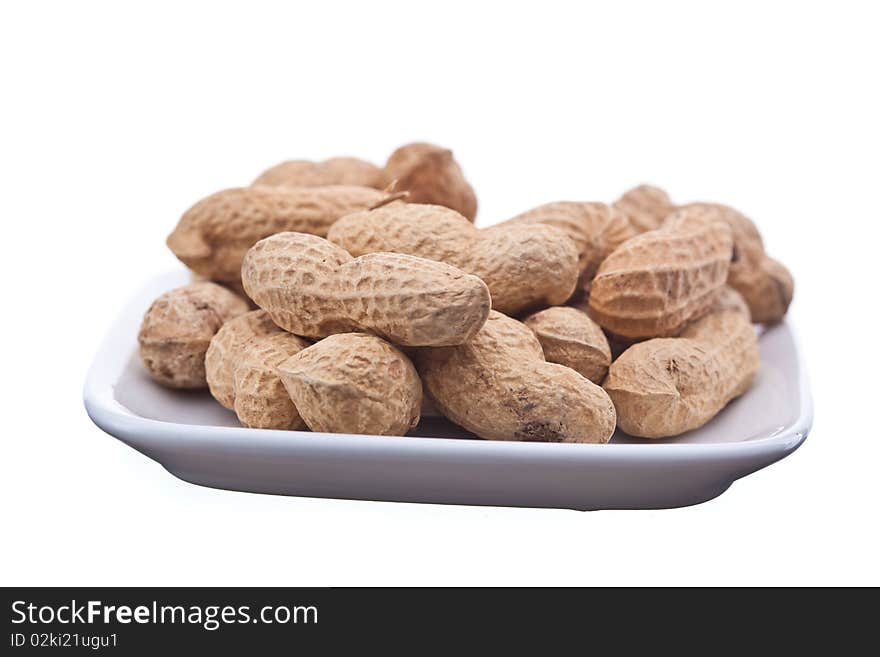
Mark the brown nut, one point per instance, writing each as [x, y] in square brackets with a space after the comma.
[226, 350]
[569, 337]
[595, 228]
[769, 293]
[666, 386]
[260, 399]
[729, 300]
[499, 387]
[765, 284]
[214, 234]
[525, 266]
[655, 283]
[314, 288]
[431, 175]
[354, 383]
[335, 171]
[646, 206]
[177, 329]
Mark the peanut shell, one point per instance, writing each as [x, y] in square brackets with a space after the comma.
[655, 283]
[177, 329]
[595, 228]
[335, 171]
[499, 387]
[431, 175]
[730, 300]
[214, 234]
[666, 386]
[314, 288]
[646, 206]
[354, 383]
[765, 284]
[569, 337]
[225, 351]
[260, 399]
[525, 266]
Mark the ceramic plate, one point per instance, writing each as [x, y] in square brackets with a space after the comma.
[197, 440]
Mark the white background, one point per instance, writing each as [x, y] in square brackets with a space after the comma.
[113, 120]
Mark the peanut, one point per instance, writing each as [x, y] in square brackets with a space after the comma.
[261, 400]
[499, 387]
[354, 383]
[431, 175]
[214, 234]
[666, 386]
[765, 284]
[335, 171]
[226, 350]
[656, 282]
[569, 337]
[729, 300]
[314, 288]
[646, 207]
[177, 329]
[525, 266]
[595, 228]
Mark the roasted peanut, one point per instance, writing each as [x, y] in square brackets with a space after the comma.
[655, 283]
[525, 266]
[569, 337]
[354, 383]
[335, 171]
[213, 235]
[499, 387]
[646, 207]
[666, 386]
[431, 175]
[765, 284]
[225, 351]
[261, 400]
[177, 329]
[314, 288]
[729, 300]
[595, 228]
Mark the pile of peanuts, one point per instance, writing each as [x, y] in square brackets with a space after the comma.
[344, 297]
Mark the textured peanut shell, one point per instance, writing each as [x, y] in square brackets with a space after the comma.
[595, 228]
[729, 300]
[569, 337]
[177, 329]
[499, 387]
[226, 349]
[765, 284]
[260, 399]
[354, 383]
[646, 206]
[525, 266]
[431, 175]
[656, 282]
[769, 293]
[666, 386]
[212, 237]
[314, 288]
[335, 171]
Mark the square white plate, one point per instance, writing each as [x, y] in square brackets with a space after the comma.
[197, 440]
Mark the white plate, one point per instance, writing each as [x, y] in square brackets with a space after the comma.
[197, 440]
